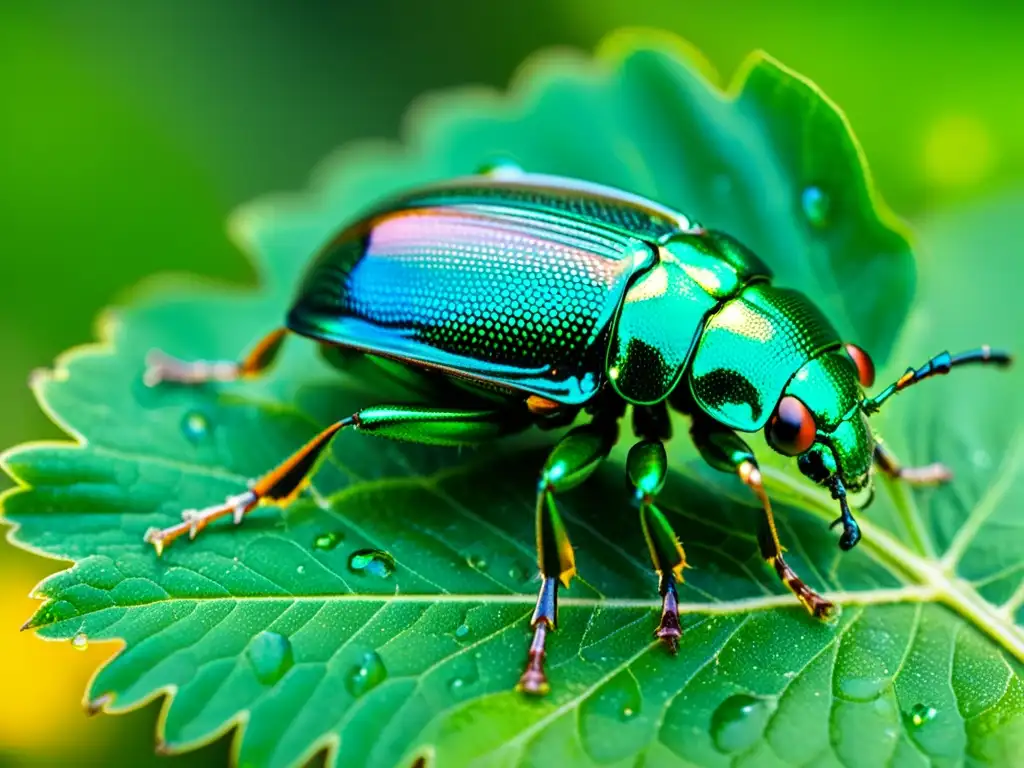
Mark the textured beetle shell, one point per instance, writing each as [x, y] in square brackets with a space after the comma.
[544, 285]
[482, 291]
[750, 349]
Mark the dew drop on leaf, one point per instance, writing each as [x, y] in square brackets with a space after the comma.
[921, 714]
[328, 540]
[366, 675]
[883, 706]
[80, 642]
[477, 562]
[300, 570]
[270, 655]
[866, 688]
[462, 631]
[195, 426]
[371, 562]
[617, 701]
[465, 675]
[815, 204]
[739, 721]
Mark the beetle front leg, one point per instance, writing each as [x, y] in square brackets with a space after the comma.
[931, 474]
[572, 461]
[430, 426]
[162, 368]
[724, 450]
[647, 468]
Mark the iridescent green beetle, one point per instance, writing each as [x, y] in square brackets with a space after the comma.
[528, 300]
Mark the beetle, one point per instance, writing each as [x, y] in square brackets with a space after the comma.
[532, 300]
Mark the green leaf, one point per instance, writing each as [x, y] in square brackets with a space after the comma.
[279, 627]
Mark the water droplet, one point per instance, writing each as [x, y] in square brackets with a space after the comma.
[921, 714]
[456, 684]
[608, 719]
[739, 722]
[80, 641]
[517, 574]
[477, 562]
[328, 541]
[815, 203]
[461, 631]
[371, 562]
[464, 673]
[366, 675]
[270, 655]
[195, 426]
[300, 570]
[866, 688]
[500, 168]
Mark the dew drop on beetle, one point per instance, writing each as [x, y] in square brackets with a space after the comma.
[80, 642]
[371, 562]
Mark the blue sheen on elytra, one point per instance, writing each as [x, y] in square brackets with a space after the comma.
[516, 301]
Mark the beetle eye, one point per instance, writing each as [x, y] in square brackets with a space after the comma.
[791, 429]
[865, 368]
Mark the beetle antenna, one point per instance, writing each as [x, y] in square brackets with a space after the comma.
[940, 364]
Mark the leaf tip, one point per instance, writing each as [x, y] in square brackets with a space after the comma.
[93, 707]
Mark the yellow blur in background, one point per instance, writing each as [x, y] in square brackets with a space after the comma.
[130, 129]
[44, 681]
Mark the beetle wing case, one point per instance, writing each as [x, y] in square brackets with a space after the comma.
[499, 294]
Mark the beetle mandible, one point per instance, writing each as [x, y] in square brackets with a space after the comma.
[528, 300]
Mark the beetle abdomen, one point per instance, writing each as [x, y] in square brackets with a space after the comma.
[519, 301]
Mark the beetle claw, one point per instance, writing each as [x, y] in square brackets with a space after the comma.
[195, 520]
[162, 368]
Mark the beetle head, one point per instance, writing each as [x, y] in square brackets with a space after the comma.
[822, 415]
[819, 419]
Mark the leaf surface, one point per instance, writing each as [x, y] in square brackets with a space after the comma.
[287, 628]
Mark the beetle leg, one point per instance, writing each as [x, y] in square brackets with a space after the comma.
[572, 461]
[647, 468]
[724, 450]
[432, 426]
[931, 474]
[161, 367]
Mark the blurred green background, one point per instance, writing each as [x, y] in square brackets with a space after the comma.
[129, 130]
